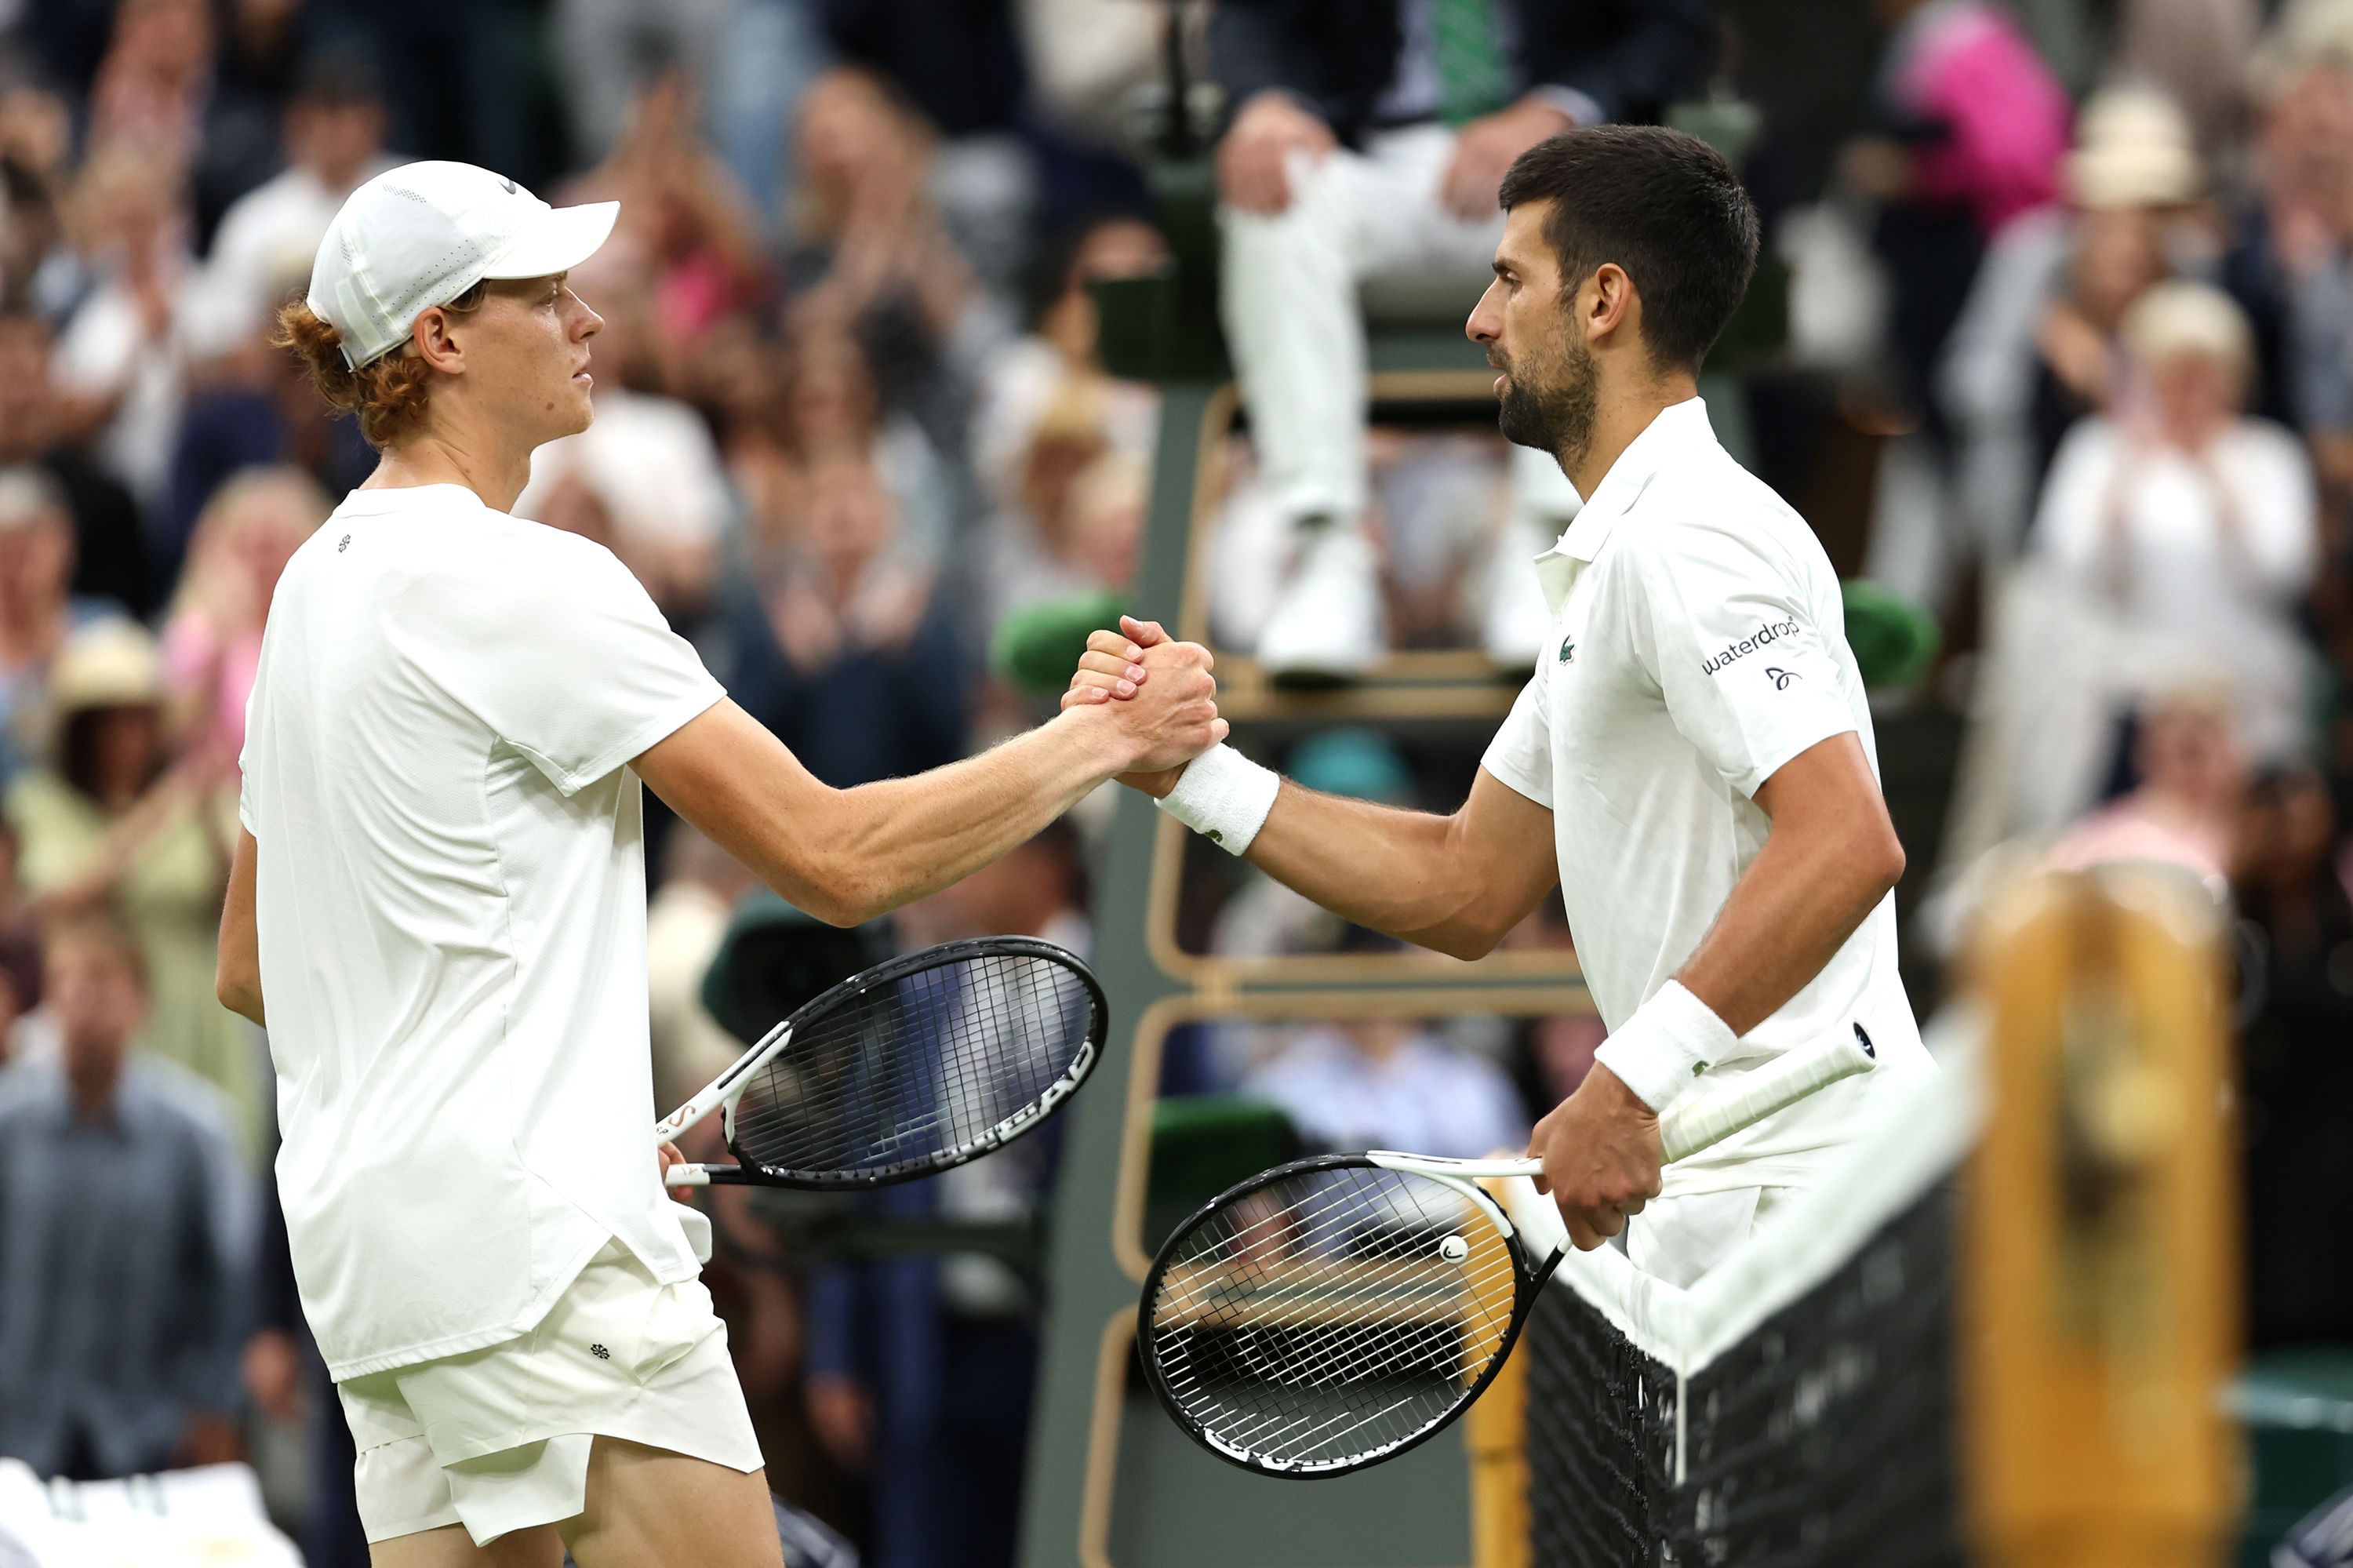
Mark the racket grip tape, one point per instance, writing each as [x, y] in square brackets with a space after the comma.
[1686, 1130]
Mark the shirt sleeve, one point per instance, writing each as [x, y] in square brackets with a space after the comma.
[1738, 649]
[1521, 753]
[581, 674]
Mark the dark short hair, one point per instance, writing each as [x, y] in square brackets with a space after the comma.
[1663, 204]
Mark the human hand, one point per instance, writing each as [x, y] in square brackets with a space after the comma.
[1601, 1156]
[272, 1370]
[665, 1157]
[1484, 151]
[1254, 158]
[1173, 716]
[1109, 671]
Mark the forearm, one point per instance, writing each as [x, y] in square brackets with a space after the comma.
[1802, 897]
[1377, 865]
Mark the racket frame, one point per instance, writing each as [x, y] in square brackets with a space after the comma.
[1684, 1130]
[1527, 1280]
[722, 1093]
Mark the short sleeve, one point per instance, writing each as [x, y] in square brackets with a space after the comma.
[1521, 753]
[248, 761]
[1734, 644]
[580, 673]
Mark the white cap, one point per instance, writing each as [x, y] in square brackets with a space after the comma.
[422, 233]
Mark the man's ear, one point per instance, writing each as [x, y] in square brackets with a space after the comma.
[1606, 303]
[431, 338]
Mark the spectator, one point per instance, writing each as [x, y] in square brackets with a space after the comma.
[37, 610]
[256, 74]
[1368, 141]
[1385, 1082]
[212, 639]
[110, 551]
[335, 142]
[2184, 809]
[2037, 346]
[123, 1249]
[154, 83]
[2297, 1077]
[838, 644]
[2186, 526]
[110, 820]
[1970, 127]
[122, 359]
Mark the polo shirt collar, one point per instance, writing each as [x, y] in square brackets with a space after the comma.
[1670, 436]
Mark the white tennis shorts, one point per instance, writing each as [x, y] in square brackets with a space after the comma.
[497, 1440]
[1678, 1239]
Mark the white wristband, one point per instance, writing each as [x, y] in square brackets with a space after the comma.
[1224, 797]
[1671, 1039]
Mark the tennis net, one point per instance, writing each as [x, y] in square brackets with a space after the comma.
[1794, 1409]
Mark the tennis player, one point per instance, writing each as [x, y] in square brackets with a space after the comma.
[1693, 762]
[439, 896]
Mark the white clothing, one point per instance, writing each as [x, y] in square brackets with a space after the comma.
[106, 352]
[1699, 644]
[1296, 329]
[452, 902]
[1425, 1096]
[498, 1439]
[650, 460]
[265, 243]
[1678, 1239]
[2189, 598]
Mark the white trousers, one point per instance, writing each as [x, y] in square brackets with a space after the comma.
[1680, 1239]
[1296, 330]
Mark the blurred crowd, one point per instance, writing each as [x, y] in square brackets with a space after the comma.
[2067, 359]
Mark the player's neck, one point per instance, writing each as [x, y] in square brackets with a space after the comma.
[433, 457]
[1619, 415]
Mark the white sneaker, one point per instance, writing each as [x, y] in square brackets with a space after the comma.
[1326, 625]
[1516, 622]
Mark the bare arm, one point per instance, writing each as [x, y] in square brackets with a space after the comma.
[1830, 857]
[1455, 884]
[236, 979]
[846, 855]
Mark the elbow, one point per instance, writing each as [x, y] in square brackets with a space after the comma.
[1886, 862]
[1469, 945]
[239, 990]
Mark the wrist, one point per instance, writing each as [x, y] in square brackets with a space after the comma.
[1105, 749]
[1224, 797]
[1670, 1041]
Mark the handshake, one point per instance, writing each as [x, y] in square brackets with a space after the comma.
[1153, 699]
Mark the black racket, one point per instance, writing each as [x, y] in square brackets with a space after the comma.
[1333, 1312]
[907, 1068]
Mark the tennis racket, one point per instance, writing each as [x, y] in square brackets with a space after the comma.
[1333, 1312]
[904, 1069]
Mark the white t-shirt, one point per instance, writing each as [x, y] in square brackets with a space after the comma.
[1698, 643]
[452, 915]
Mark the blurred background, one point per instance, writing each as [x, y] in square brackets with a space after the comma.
[2052, 345]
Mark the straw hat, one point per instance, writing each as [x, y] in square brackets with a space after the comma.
[109, 663]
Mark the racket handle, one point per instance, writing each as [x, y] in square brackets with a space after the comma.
[688, 1175]
[1686, 1130]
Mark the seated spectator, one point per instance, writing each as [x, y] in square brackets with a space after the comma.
[37, 613]
[110, 820]
[122, 1247]
[110, 550]
[839, 645]
[335, 142]
[2184, 809]
[1381, 1083]
[123, 357]
[212, 637]
[1368, 143]
[2036, 346]
[2185, 525]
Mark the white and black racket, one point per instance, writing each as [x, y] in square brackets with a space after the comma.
[904, 1069]
[1333, 1312]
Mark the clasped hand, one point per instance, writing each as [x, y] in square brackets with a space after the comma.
[1159, 692]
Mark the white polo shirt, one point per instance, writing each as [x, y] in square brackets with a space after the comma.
[450, 893]
[1698, 643]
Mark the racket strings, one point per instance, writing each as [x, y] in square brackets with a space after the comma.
[1331, 1314]
[916, 1068]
